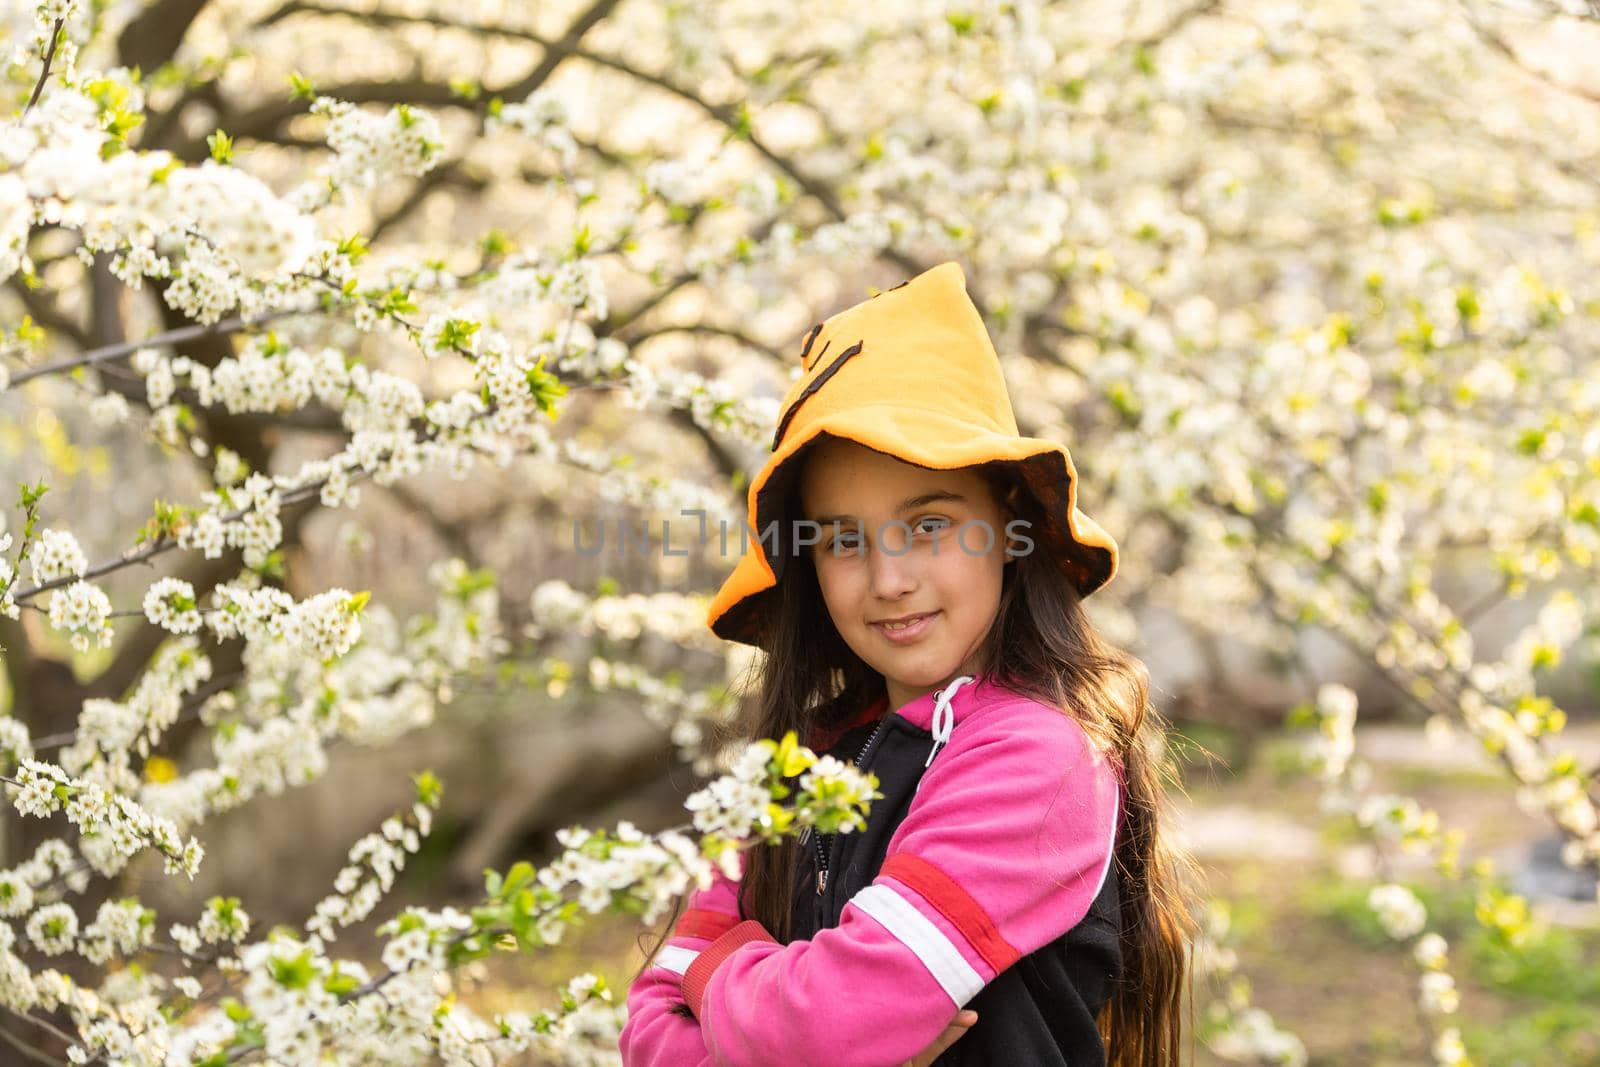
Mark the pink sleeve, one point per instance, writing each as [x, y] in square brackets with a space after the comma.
[1005, 846]
[656, 1035]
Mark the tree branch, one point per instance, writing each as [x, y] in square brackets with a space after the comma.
[32, 1052]
[261, 122]
[44, 72]
[154, 35]
[127, 348]
[264, 120]
[1499, 44]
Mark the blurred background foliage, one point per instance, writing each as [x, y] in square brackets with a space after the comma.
[1309, 290]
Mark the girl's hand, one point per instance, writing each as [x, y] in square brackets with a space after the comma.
[952, 1033]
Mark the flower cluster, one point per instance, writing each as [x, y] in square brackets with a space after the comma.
[831, 797]
[249, 228]
[373, 862]
[1235, 1029]
[170, 604]
[223, 922]
[114, 828]
[327, 625]
[1334, 713]
[56, 555]
[686, 714]
[120, 928]
[403, 141]
[713, 403]
[83, 611]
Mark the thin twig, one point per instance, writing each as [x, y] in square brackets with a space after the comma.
[49, 57]
[43, 1024]
[190, 707]
[33, 1052]
[123, 349]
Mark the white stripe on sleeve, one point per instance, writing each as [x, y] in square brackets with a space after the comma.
[915, 931]
[1111, 845]
[675, 958]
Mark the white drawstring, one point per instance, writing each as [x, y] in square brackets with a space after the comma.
[944, 720]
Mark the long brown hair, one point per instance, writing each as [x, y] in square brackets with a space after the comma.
[1041, 644]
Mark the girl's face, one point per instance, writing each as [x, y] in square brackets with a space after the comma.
[921, 546]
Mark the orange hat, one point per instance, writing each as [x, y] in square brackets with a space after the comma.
[910, 372]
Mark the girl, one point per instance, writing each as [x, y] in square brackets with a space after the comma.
[917, 597]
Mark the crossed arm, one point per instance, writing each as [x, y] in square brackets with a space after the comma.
[1006, 845]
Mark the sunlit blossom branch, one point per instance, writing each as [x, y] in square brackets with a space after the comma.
[725, 114]
[161, 545]
[266, 118]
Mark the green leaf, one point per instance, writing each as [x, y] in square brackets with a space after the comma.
[430, 790]
[545, 387]
[353, 247]
[221, 146]
[294, 973]
[494, 243]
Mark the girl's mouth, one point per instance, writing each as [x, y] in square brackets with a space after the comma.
[908, 631]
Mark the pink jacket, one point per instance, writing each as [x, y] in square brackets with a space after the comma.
[1005, 845]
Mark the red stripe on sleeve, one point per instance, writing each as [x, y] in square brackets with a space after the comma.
[955, 904]
[705, 965]
[704, 922]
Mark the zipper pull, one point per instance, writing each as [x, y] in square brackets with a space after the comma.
[822, 880]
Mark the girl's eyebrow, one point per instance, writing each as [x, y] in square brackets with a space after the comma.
[910, 502]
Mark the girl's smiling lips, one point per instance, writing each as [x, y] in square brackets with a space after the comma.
[915, 626]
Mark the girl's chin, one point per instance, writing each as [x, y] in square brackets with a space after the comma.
[916, 669]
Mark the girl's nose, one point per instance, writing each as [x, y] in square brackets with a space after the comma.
[891, 571]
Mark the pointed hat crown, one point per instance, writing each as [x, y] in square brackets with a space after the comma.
[910, 372]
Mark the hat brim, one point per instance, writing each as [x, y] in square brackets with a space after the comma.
[926, 438]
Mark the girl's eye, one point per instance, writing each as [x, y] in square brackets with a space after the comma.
[932, 518]
[845, 542]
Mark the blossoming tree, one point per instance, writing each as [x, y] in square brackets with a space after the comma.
[1305, 286]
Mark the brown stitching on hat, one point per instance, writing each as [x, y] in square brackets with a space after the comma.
[805, 349]
[816, 383]
[820, 353]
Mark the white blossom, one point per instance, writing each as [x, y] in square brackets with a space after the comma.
[1398, 909]
[52, 928]
[56, 555]
[170, 604]
[83, 611]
